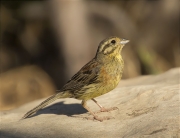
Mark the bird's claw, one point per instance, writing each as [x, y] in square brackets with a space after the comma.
[106, 109]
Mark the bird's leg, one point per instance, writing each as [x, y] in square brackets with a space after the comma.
[102, 109]
[87, 108]
[100, 106]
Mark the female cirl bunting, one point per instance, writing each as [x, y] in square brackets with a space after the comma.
[99, 76]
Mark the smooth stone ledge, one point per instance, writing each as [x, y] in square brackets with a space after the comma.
[149, 107]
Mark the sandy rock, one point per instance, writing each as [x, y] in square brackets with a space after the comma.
[149, 107]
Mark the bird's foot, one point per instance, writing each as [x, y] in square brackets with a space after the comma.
[106, 109]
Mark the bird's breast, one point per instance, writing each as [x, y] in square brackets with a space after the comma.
[110, 75]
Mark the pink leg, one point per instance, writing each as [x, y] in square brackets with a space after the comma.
[102, 109]
[95, 116]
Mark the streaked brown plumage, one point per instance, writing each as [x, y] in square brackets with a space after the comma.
[99, 76]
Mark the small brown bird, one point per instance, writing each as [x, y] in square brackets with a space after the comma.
[99, 76]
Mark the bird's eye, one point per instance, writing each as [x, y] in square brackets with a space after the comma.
[113, 41]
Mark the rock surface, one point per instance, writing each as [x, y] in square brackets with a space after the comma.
[149, 107]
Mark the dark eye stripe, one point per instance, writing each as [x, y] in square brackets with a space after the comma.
[106, 47]
[105, 44]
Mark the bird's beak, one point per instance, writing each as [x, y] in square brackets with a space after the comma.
[124, 41]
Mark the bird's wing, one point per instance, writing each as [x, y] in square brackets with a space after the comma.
[88, 74]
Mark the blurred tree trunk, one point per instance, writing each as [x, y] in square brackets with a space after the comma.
[70, 24]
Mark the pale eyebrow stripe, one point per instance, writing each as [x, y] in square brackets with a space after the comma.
[105, 42]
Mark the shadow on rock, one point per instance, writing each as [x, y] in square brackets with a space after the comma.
[61, 109]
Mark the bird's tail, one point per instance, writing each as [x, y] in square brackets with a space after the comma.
[46, 102]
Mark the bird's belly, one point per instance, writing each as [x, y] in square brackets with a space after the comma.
[95, 90]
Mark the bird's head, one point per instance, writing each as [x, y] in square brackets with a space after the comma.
[111, 46]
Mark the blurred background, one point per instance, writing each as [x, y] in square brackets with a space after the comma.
[43, 43]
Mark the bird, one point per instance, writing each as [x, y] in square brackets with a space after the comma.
[99, 76]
